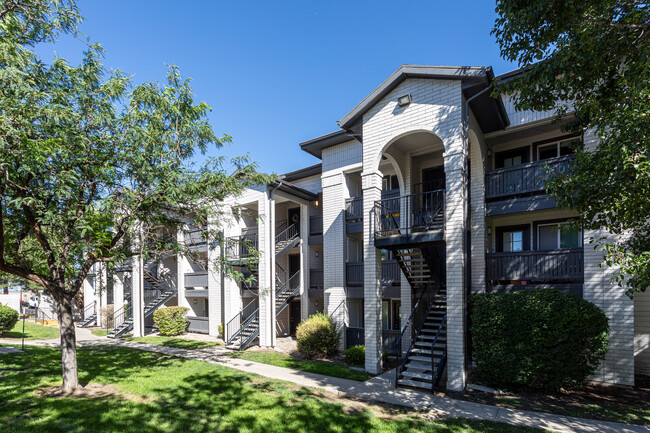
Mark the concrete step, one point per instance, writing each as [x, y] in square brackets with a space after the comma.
[423, 358]
[418, 375]
[415, 384]
[427, 344]
[425, 352]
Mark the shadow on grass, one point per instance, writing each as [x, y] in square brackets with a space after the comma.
[178, 395]
[176, 343]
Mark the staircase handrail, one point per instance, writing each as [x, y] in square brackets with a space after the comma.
[236, 323]
[44, 316]
[289, 233]
[438, 372]
[401, 363]
[87, 310]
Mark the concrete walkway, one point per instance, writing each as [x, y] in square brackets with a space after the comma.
[378, 389]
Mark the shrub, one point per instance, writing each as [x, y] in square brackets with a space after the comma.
[171, 320]
[355, 355]
[537, 338]
[317, 336]
[8, 319]
[220, 329]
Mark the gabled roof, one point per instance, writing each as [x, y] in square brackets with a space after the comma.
[316, 145]
[474, 77]
[303, 172]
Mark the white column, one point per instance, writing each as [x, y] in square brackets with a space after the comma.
[333, 248]
[266, 245]
[89, 294]
[100, 286]
[118, 291]
[455, 223]
[182, 266]
[372, 290]
[137, 295]
[304, 262]
[214, 283]
[477, 215]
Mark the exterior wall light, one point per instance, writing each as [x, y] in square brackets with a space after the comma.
[195, 301]
[405, 100]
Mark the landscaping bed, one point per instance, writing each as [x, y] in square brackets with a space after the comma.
[602, 402]
[130, 390]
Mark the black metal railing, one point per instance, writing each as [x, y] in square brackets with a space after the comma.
[354, 337]
[390, 272]
[119, 317]
[432, 185]
[354, 274]
[235, 326]
[542, 266]
[243, 246]
[315, 225]
[414, 322]
[408, 214]
[443, 359]
[353, 208]
[524, 178]
[287, 234]
[388, 339]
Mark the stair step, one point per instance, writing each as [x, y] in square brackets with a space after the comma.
[423, 358]
[419, 366]
[415, 384]
[426, 352]
[427, 344]
[418, 375]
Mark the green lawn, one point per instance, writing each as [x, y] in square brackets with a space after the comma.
[32, 331]
[327, 368]
[151, 392]
[179, 343]
[99, 332]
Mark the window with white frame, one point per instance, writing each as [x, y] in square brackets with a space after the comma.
[558, 235]
[513, 241]
[557, 148]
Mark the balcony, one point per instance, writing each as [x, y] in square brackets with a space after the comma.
[410, 220]
[356, 336]
[522, 188]
[196, 279]
[315, 230]
[354, 274]
[195, 239]
[316, 278]
[551, 266]
[353, 208]
[241, 248]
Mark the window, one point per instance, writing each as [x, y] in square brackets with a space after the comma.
[384, 315]
[389, 182]
[513, 241]
[397, 317]
[555, 236]
[510, 158]
[558, 148]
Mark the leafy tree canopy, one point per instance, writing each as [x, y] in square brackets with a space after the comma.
[94, 168]
[594, 55]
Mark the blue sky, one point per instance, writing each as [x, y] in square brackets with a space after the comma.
[278, 73]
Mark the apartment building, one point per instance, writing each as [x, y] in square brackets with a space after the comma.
[430, 190]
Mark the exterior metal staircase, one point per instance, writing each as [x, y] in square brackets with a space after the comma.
[164, 293]
[287, 239]
[89, 316]
[426, 357]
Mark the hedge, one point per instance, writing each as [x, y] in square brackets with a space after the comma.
[355, 355]
[317, 336]
[171, 320]
[8, 319]
[536, 338]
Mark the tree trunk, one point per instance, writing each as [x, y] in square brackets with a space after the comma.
[68, 345]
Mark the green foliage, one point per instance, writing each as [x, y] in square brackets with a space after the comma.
[537, 338]
[171, 320]
[355, 355]
[8, 319]
[595, 54]
[317, 336]
[220, 330]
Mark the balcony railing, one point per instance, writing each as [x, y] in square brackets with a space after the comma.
[315, 225]
[316, 278]
[356, 336]
[524, 178]
[565, 265]
[390, 272]
[196, 279]
[242, 247]
[353, 208]
[409, 214]
[194, 237]
[354, 274]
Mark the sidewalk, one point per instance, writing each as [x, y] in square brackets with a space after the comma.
[380, 389]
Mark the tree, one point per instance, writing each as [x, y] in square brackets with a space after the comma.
[595, 55]
[94, 168]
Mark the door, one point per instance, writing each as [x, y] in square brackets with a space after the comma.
[294, 316]
[294, 267]
[294, 217]
[433, 178]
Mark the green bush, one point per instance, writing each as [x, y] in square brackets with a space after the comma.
[220, 329]
[317, 336]
[355, 355]
[536, 338]
[8, 319]
[171, 320]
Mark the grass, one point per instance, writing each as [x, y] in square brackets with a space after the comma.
[149, 392]
[32, 332]
[178, 343]
[327, 368]
[99, 332]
